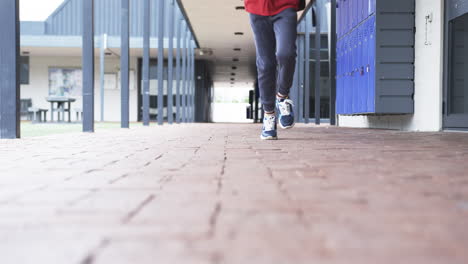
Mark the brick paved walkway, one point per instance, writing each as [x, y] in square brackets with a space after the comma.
[216, 194]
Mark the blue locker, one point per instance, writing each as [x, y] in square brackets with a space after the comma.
[355, 19]
[337, 74]
[358, 13]
[372, 6]
[339, 78]
[368, 66]
[351, 73]
[371, 66]
[365, 62]
[355, 58]
[349, 96]
[349, 84]
[359, 58]
[342, 75]
[359, 73]
[364, 9]
[345, 73]
[346, 16]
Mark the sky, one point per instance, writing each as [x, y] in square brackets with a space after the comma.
[37, 10]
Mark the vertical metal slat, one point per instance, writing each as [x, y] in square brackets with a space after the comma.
[332, 64]
[88, 65]
[170, 67]
[318, 39]
[161, 62]
[307, 69]
[9, 75]
[178, 67]
[146, 60]
[125, 64]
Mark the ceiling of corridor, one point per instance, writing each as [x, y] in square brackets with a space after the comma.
[215, 23]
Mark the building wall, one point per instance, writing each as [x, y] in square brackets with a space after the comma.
[38, 87]
[428, 77]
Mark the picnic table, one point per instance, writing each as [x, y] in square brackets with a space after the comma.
[60, 101]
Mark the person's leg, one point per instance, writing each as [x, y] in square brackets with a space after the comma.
[285, 28]
[265, 43]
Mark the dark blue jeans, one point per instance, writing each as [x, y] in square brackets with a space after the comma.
[275, 40]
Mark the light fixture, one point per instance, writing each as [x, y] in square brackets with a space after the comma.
[205, 52]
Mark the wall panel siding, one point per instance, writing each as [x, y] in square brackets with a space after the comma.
[67, 19]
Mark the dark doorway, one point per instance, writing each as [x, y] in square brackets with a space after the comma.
[456, 65]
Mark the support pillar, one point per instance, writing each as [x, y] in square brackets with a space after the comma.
[191, 86]
[125, 65]
[332, 67]
[307, 68]
[10, 71]
[178, 67]
[88, 65]
[318, 39]
[194, 87]
[170, 64]
[187, 75]
[301, 74]
[184, 75]
[146, 61]
[102, 71]
[161, 62]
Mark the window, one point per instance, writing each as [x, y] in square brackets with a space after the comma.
[24, 70]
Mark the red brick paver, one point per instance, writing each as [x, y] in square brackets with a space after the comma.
[214, 193]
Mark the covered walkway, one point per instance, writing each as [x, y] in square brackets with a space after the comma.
[214, 193]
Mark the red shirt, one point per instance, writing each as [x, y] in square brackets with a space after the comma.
[269, 7]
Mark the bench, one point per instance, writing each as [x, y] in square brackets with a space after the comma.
[38, 114]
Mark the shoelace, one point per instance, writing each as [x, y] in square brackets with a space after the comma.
[269, 123]
[285, 107]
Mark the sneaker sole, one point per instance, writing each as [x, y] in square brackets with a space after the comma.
[286, 127]
[268, 138]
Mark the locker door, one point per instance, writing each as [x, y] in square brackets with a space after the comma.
[346, 16]
[372, 6]
[351, 73]
[355, 11]
[371, 66]
[365, 62]
[338, 76]
[364, 9]
[355, 71]
[359, 74]
[346, 76]
[358, 11]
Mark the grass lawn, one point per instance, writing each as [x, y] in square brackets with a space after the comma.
[29, 129]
